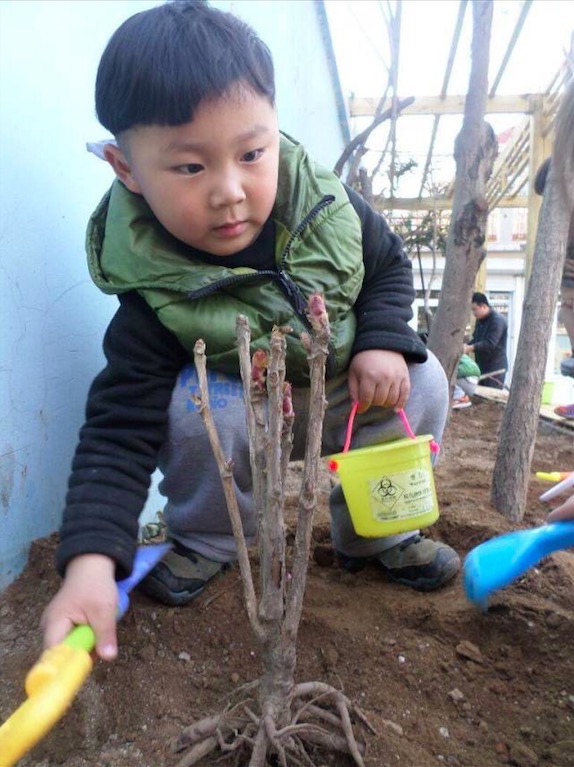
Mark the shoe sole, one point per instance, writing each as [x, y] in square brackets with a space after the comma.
[567, 416]
[160, 593]
[427, 584]
[157, 590]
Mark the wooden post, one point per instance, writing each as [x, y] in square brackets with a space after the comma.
[480, 282]
[538, 153]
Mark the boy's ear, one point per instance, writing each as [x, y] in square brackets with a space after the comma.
[116, 158]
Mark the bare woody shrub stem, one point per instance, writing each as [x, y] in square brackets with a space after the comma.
[226, 474]
[287, 721]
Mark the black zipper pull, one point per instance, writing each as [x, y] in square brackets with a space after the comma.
[294, 295]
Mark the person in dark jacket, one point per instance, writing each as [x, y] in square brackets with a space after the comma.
[488, 342]
[214, 213]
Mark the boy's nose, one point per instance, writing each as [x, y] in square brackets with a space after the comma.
[228, 191]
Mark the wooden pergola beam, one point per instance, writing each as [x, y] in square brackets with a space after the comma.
[365, 106]
[509, 165]
[510, 46]
[438, 203]
[511, 181]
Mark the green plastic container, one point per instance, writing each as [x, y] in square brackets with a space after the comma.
[547, 393]
[389, 488]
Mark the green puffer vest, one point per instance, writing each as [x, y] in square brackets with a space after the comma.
[318, 247]
[467, 367]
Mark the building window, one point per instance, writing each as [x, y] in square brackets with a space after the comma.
[519, 224]
[500, 302]
[493, 226]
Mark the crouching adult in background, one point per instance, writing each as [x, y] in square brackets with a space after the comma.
[488, 342]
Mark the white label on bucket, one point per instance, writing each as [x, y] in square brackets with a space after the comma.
[402, 495]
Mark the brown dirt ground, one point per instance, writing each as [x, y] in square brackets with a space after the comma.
[442, 683]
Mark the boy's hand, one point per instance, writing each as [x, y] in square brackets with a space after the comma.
[566, 511]
[378, 377]
[88, 595]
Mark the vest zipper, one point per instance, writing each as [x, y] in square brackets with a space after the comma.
[289, 288]
[287, 285]
[313, 213]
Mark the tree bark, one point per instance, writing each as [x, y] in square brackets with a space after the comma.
[520, 419]
[475, 151]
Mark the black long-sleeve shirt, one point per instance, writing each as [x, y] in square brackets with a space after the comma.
[489, 342]
[127, 407]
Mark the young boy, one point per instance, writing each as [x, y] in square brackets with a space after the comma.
[467, 377]
[215, 213]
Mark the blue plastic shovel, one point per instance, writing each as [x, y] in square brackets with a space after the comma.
[145, 560]
[496, 563]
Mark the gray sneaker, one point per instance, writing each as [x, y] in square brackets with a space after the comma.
[421, 563]
[180, 576]
[567, 367]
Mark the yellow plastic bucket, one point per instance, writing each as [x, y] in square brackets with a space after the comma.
[389, 488]
[547, 393]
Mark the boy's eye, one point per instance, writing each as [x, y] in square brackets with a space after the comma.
[190, 169]
[253, 155]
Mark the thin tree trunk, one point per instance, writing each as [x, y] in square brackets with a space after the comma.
[475, 152]
[520, 419]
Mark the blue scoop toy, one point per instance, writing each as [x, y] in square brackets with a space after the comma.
[494, 564]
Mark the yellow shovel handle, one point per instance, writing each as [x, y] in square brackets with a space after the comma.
[51, 686]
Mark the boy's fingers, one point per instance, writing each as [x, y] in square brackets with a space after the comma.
[353, 387]
[106, 641]
[367, 392]
[560, 514]
[107, 647]
[358, 392]
[54, 633]
[386, 395]
[404, 393]
[104, 627]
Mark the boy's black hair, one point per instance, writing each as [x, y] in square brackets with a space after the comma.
[480, 299]
[160, 64]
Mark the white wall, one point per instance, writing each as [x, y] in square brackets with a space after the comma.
[51, 317]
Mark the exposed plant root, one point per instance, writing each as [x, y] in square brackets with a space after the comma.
[322, 720]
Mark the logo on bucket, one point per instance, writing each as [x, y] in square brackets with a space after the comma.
[402, 495]
[387, 493]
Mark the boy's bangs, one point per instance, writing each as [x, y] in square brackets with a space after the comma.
[161, 64]
[171, 95]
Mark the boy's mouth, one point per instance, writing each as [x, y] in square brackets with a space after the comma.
[232, 228]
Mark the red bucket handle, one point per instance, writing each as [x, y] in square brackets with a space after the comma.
[434, 446]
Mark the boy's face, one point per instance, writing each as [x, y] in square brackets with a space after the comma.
[211, 182]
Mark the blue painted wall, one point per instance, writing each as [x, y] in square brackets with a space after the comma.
[51, 317]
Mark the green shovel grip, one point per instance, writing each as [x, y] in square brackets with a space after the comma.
[81, 637]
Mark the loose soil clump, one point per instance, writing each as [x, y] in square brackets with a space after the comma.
[442, 683]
